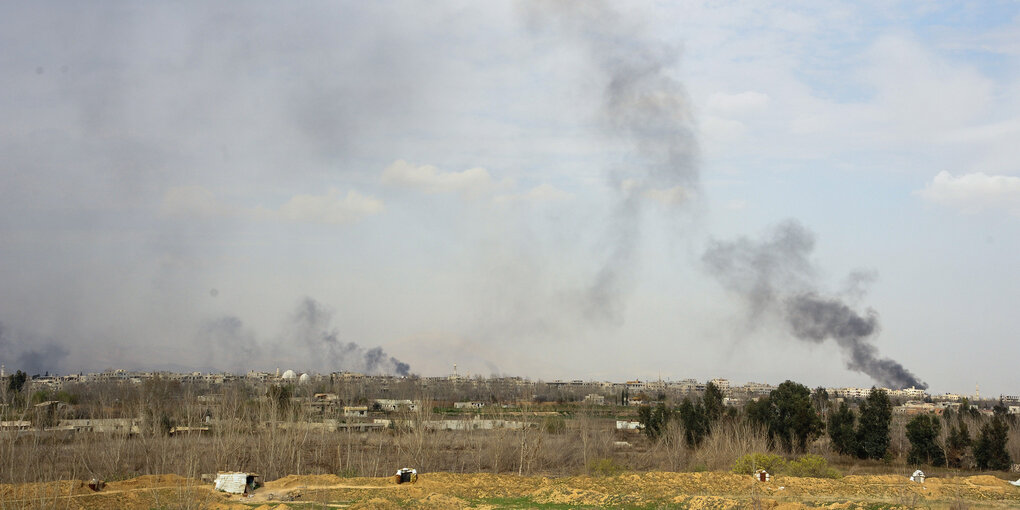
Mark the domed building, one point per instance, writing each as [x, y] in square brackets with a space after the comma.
[304, 379]
[289, 375]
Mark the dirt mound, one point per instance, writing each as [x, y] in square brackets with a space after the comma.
[707, 502]
[376, 503]
[985, 480]
[562, 494]
[43, 490]
[717, 491]
[436, 500]
[292, 481]
[152, 481]
[873, 479]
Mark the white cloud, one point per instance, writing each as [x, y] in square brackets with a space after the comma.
[974, 192]
[736, 205]
[919, 91]
[677, 195]
[720, 129]
[430, 179]
[737, 104]
[541, 193]
[332, 208]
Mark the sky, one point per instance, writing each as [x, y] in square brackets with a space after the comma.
[827, 192]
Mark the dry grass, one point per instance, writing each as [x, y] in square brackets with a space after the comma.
[258, 434]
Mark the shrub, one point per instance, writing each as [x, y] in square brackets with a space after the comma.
[811, 466]
[752, 462]
[604, 467]
[554, 424]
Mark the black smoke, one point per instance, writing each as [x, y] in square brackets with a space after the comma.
[774, 275]
[311, 328]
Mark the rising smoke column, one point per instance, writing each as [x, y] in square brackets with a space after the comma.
[232, 345]
[311, 327]
[643, 107]
[774, 276]
[30, 353]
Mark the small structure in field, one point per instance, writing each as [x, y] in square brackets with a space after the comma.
[355, 411]
[918, 476]
[406, 475]
[762, 476]
[236, 482]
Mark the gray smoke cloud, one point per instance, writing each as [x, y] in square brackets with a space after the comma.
[38, 357]
[774, 275]
[645, 108]
[311, 327]
[233, 347]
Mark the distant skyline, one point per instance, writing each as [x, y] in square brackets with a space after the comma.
[827, 192]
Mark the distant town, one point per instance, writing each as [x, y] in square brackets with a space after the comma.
[479, 391]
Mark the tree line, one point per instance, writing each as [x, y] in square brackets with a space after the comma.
[792, 416]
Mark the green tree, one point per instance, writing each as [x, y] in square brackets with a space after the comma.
[16, 381]
[713, 402]
[654, 419]
[966, 409]
[990, 447]
[923, 432]
[957, 444]
[873, 425]
[841, 430]
[694, 418]
[788, 416]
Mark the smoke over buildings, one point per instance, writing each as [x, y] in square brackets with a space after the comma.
[774, 276]
[648, 113]
[29, 355]
[648, 110]
[233, 347]
[311, 329]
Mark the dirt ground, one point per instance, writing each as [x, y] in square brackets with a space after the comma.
[487, 491]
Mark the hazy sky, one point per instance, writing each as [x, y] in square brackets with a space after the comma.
[553, 190]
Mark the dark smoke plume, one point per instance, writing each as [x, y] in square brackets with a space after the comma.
[45, 357]
[774, 275]
[312, 328]
[644, 107]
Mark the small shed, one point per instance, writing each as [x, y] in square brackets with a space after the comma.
[762, 476]
[236, 482]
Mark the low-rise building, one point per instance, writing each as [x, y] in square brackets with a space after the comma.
[356, 411]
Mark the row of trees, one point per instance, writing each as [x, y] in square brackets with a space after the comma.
[988, 451]
[696, 416]
[792, 417]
